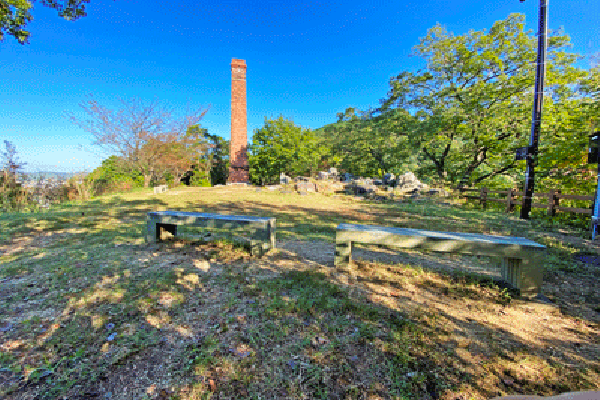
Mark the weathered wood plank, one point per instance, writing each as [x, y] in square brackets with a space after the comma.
[575, 197]
[575, 210]
[260, 229]
[522, 258]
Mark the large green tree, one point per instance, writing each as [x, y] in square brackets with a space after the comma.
[15, 14]
[368, 145]
[569, 122]
[281, 146]
[473, 99]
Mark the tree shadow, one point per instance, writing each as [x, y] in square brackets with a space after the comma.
[449, 330]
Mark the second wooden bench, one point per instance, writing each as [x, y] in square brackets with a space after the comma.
[521, 258]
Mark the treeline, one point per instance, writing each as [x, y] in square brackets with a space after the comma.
[458, 121]
[22, 192]
[207, 165]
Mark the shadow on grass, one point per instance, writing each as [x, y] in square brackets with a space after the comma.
[310, 335]
[242, 327]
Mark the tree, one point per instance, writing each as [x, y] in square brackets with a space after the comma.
[15, 14]
[570, 122]
[113, 175]
[369, 145]
[177, 154]
[136, 132]
[11, 193]
[219, 159]
[473, 99]
[11, 163]
[281, 146]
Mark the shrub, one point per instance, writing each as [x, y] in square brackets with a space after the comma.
[200, 179]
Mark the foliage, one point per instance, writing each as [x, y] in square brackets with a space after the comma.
[473, 99]
[218, 155]
[369, 146]
[113, 175]
[176, 154]
[145, 136]
[12, 195]
[211, 167]
[200, 179]
[11, 164]
[281, 146]
[460, 119]
[15, 14]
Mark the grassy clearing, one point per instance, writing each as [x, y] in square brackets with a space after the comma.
[87, 308]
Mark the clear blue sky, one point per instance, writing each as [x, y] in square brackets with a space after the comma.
[306, 60]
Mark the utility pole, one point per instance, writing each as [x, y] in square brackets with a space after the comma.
[536, 120]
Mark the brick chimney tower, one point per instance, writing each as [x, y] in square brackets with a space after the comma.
[238, 158]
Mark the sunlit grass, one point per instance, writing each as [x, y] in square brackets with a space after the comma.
[95, 299]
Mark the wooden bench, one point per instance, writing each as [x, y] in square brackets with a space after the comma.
[521, 258]
[261, 229]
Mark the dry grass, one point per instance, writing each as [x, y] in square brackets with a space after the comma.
[88, 310]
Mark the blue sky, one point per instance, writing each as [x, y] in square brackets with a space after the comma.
[306, 61]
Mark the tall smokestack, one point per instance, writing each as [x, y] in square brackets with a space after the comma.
[238, 157]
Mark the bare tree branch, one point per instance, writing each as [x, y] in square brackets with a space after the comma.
[129, 131]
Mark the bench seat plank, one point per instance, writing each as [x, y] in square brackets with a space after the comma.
[521, 257]
[261, 229]
[457, 242]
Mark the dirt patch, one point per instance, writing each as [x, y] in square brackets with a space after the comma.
[117, 318]
[500, 346]
[323, 253]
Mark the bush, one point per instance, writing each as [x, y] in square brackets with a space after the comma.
[201, 183]
[200, 179]
[12, 195]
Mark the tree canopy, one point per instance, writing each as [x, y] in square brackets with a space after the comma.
[366, 145]
[462, 116]
[148, 137]
[473, 99]
[281, 146]
[15, 14]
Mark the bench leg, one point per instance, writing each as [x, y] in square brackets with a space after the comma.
[525, 275]
[162, 228]
[258, 248]
[272, 233]
[151, 236]
[343, 253]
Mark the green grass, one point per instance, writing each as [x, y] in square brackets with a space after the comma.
[92, 299]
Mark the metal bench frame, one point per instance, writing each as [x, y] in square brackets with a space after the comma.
[261, 229]
[521, 258]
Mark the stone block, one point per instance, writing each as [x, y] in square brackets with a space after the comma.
[387, 178]
[323, 175]
[160, 189]
[302, 186]
[347, 177]
[284, 179]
